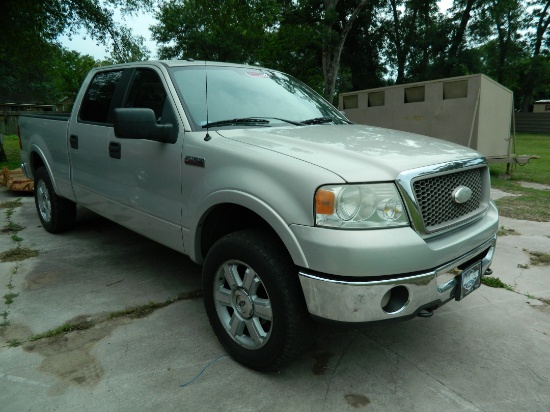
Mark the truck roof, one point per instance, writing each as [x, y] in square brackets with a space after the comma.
[177, 63]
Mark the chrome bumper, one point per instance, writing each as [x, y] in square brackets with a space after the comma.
[368, 301]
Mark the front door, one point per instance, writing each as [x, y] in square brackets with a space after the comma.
[144, 176]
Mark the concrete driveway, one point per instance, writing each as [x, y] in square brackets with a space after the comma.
[489, 352]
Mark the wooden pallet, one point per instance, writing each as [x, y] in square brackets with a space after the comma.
[15, 180]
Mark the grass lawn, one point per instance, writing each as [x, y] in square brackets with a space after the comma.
[11, 147]
[537, 170]
[532, 204]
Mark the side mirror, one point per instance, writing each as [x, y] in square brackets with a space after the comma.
[138, 123]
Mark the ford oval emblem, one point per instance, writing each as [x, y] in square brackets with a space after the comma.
[461, 194]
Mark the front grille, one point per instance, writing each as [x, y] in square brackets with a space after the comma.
[435, 201]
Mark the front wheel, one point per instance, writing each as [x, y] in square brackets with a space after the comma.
[56, 214]
[254, 301]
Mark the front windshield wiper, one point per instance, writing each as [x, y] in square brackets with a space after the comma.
[295, 123]
[318, 120]
[251, 120]
[245, 121]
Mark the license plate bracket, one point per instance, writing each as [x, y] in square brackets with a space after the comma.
[468, 281]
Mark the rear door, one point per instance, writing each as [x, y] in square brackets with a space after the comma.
[89, 132]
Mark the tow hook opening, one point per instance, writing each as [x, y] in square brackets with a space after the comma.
[395, 300]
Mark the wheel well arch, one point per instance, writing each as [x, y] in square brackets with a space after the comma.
[36, 162]
[227, 217]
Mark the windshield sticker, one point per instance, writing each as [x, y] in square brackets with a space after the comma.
[257, 74]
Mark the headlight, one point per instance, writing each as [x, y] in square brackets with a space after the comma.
[366, 206]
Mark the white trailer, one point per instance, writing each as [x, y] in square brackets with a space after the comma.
[474, 111]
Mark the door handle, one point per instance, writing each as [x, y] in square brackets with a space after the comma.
[73, 140]
[114, 150]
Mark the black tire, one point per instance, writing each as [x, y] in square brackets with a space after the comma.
[56, 214]
[259, 314]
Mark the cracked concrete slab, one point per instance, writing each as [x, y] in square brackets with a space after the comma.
[512, 263]
[488, 352]
[499, 194]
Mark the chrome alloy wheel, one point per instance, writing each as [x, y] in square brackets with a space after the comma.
[43, 201]
[242, 304]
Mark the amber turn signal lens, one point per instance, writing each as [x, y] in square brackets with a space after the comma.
[324, 202]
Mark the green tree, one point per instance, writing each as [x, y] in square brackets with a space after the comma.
[128, 48]
[283, 34]
[29, 32]
[503, 51]
[413, 37]
[69, 69]
[294, 46]
[229, 30]
[506, 15]
[538, 75]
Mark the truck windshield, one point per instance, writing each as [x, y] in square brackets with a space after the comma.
[223, 96]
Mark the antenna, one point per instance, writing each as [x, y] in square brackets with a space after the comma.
[207, 137]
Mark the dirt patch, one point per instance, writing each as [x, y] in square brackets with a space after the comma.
[68, 356]
[42, 279]
[357, 401]
[15, 332]
[532, 185]
[12, 228]
[67, 349]
[540, 259]
[530, 205]
[10, 204]
[48, 272]
[321, 362]
[504, 231]
[18, 254]
[542, 308]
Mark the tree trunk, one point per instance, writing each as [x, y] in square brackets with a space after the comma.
[3, 157]
[542, 26]
[332, 54]
[458, 37]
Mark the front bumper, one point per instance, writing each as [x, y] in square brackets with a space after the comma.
[388, 297]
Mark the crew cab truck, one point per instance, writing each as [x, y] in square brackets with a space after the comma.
[295, 213]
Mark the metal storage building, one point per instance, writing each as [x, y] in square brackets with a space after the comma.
[473, 111]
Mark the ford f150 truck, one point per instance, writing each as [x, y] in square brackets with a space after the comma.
[294, 213]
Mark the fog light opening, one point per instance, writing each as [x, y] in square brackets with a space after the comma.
[395, 300]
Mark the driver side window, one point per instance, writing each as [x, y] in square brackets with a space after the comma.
[147, 91]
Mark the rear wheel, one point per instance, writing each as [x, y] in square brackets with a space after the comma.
[56, 214]
[254, 301]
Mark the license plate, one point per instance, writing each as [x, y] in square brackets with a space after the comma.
[468, 281]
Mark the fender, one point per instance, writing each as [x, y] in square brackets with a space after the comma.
[60, 176]
[252, 203]
[36, 150]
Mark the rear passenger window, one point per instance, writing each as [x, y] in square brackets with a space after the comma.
[98, 98]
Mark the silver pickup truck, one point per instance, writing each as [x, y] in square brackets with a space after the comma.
[294, 213]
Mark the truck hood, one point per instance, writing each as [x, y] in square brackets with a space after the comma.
[354, 152]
